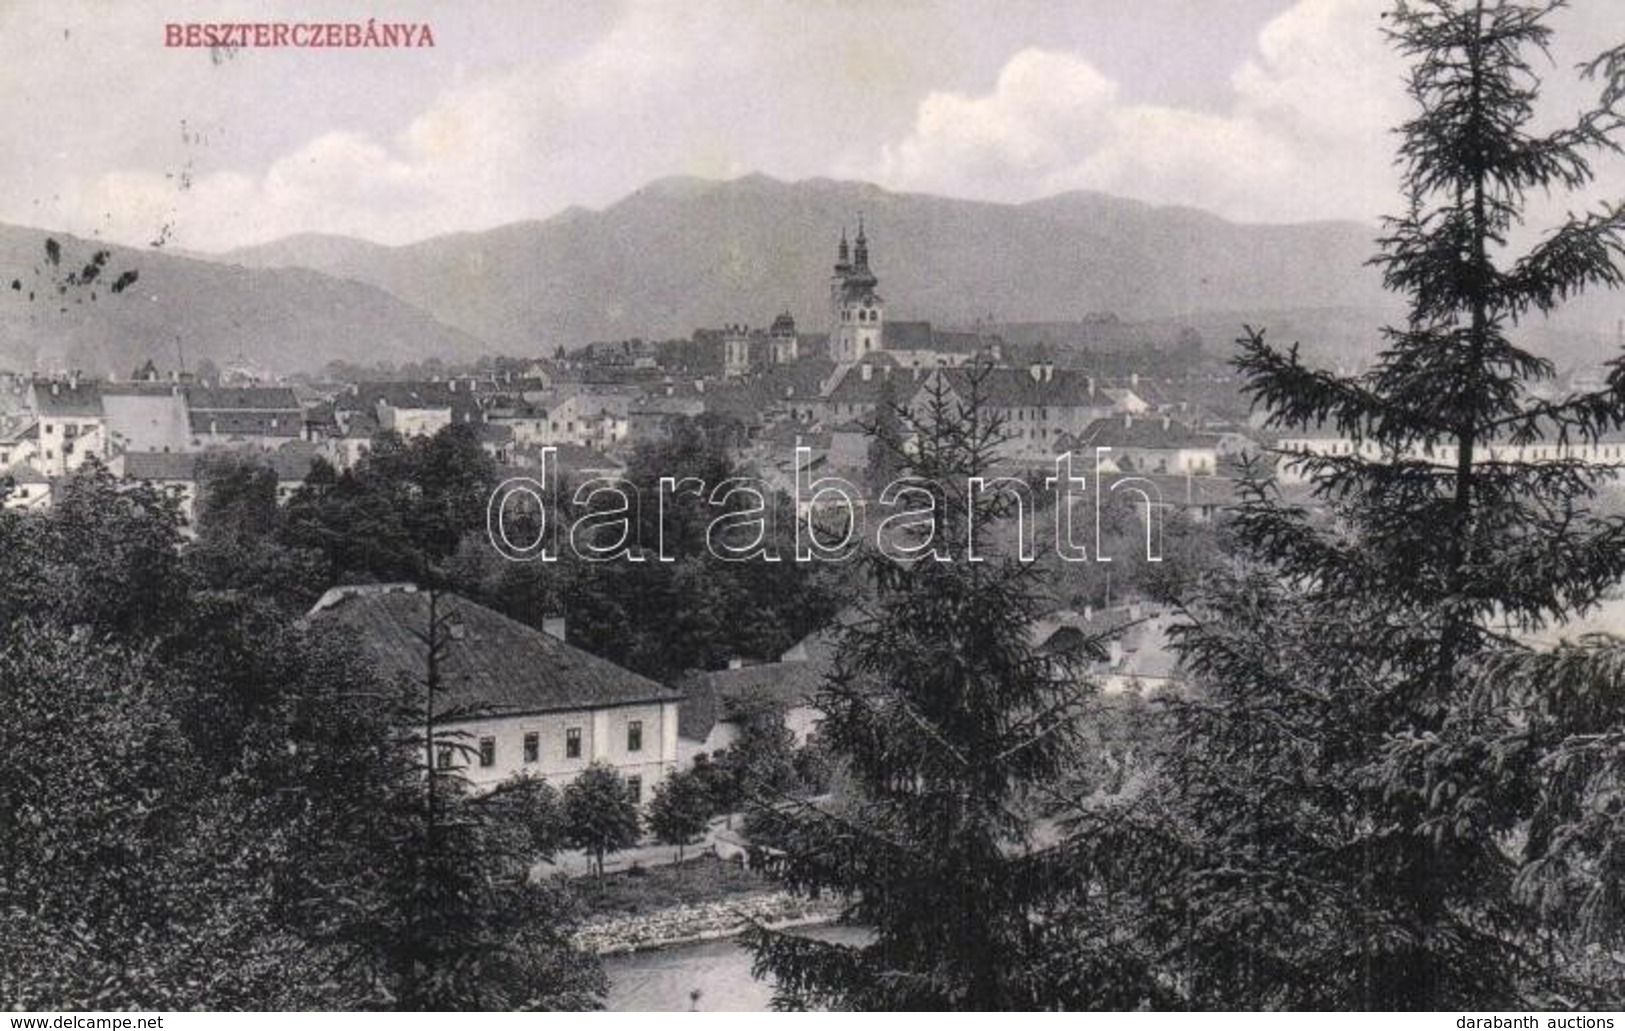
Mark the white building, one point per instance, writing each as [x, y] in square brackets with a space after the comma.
[541, 707]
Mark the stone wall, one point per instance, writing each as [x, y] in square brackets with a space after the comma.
[678, 925]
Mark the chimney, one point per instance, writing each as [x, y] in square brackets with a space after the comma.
[56, 388]
[1134, 379]
[73, 380]
[1091, 381]
[1128, 421]
[1036, 371]
[553, 626]
[1167, 421]
[451, 383]
[699, 386]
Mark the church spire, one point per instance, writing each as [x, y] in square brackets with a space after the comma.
[843, 256]
[861, 257]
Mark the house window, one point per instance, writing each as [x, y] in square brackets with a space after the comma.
[442, 757]
[488, 751]
[572, 743]
[634, 788]
[533, 746]
[634, 736]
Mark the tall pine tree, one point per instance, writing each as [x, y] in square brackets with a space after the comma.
[1348, 814]
[950, 727]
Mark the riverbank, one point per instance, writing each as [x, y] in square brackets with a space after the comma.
[711, 921]
[703, 899]
[711, 975]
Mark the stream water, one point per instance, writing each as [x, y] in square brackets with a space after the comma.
[662, 979]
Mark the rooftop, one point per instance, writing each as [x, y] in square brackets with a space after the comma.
[492, 663]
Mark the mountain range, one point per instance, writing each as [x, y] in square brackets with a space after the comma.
[182, 309]
[684, 253]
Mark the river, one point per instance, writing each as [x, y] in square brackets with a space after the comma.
[662, 979]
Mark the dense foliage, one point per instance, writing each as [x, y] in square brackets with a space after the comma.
[205, 803]
[1359, 811]
[946, 723]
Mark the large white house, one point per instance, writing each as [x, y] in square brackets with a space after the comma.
[526, 702]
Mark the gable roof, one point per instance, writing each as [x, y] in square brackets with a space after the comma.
[461, 399]
[24, 474]
[1155, 432]
[160, 466]
[243, 399]
[291, 464]
[1009, 387]
[496, 664]
[67, 397]
[709, 697]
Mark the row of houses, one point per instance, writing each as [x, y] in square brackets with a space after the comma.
[1302, 451]
[529, 703]
[66, 420]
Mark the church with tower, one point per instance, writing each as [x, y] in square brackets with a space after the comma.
[857, 312]
[859, 334]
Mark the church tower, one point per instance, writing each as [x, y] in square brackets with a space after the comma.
[735, 350]
[857, 312]
[782, 339]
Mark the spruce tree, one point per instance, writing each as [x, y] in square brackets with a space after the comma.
[1346, 819]
[949, 727]
[458, 922]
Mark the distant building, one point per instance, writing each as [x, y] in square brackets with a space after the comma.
[858, 329]
[1149, 444]
[1140, 657]
[148, 415]
[857, 312]
[735, 350]
[19, 442]
[29, 489]
[421, 408]
[1040, 407]
[263, 418]
[709, 718]
[1606, 451]
[175, 473]
[782, 340]
[71, 424]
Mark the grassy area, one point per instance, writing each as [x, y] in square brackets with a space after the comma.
[698, 880]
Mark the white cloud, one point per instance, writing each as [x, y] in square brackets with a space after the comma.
[1304, 136]
[515, 117]
[1046, 108]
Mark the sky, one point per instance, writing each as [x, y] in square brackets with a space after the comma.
[1256, 110]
